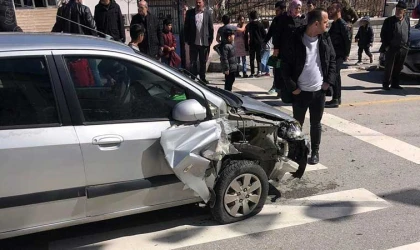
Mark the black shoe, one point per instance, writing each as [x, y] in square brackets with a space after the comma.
[339, 101]
[314, 158]
[334, 103]
[385, 87]
[245, 75]
[396, 87]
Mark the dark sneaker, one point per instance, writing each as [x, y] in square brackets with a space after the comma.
[334, 103]
[359, 62]
[339, 101]
[314, 158]
[385, 87]
[245, 75]
[251, 76]
[396, 87]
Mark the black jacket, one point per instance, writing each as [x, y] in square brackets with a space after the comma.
[340, 38]
[153, 39]
[78, 13]
[285, 28]
[190, 29]
[109, 20]
[273, 27]
[255, 32]
[228, 58]
[365, 36]
[387, 31]
[294, 57]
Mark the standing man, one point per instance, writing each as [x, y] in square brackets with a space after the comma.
[254, 38]
[152, 44]
[75, 11]
[395, 36]
[198, 33]
[340, 38]
[308, 69]
[109, 20]
[349, 15]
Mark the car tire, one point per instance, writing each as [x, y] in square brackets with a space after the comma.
[234, 201]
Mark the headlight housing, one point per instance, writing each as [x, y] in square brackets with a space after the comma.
[292, 131]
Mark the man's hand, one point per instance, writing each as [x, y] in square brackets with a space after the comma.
[297, 91]
[325, 86]
[226, 72]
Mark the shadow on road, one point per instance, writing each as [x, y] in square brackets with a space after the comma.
[397, 92]
[406, 196]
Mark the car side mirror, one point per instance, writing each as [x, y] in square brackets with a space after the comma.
[189, 111]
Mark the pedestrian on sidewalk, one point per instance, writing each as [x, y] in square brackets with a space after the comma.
[239, 44]
[199, 33]
[109, 20]
[137, 36]
[349, 15]
[254, 34]
[395, 36]
[364, 39]
[341, 41]
[75, 11]
[228, 58]
[308, 69]
[280, 7]
[265, 52]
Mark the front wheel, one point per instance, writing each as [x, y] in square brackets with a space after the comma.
[241, 192]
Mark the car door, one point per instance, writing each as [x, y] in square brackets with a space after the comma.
[123, 106]
[42, 179]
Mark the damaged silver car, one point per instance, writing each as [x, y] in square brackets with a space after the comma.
[91, 130]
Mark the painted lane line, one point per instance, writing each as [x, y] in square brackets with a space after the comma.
[382, 141]
[414, 246]
[194, 231]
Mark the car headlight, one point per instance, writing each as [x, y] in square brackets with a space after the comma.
[291, 130]
[415, 44]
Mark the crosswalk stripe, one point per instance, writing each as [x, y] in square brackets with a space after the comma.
[392, 145]
[199, 230]
[414, 246]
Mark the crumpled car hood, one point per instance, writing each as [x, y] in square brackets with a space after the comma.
[256, 106]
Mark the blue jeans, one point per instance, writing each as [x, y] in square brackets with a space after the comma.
[265, 54]
[238, 59]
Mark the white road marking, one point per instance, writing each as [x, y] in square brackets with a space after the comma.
[414, 246]
[392, 145]
[199, 230]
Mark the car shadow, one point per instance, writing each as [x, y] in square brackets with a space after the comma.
[409, 197]
[396, 92]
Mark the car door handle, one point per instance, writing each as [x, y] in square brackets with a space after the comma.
[104, 140]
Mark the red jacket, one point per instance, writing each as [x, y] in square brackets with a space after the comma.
[169, 41]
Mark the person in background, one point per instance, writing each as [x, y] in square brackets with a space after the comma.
[280, 7]
[395, 37]
[75, 11]
[169, 55]
[239, 44]
[226, 25]
[153, 40]
[349, 15]
[265, 52]
[109, 20]
[137, 36]
[228, 59]
[198, 33]
[254, 38]
[364, 39]
[310, 5]
[341, 41]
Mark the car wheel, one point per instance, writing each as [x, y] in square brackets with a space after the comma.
[241, 192]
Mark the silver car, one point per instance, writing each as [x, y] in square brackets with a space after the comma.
[91, 130]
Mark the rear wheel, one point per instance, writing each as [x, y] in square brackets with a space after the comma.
[241, 192]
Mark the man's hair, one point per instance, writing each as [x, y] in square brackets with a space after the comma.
[339, 5]
[167, 21]
[315, 15]
[253, 15]
[280, 4]
[144, 2]
[225, 19]
[265, 23]
[136, 30]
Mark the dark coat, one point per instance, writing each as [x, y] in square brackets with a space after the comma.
[365, 36]
[169, 41]
[274, 26]
[190, 29]
[255, 34]
[109, 20]
[294, 57]
[387, 31]
[340, 38]
[153, 39]
[8, 17]
[285, 29]
[78, 13]
[228, 58]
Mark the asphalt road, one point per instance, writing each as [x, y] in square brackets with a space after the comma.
[367, 196]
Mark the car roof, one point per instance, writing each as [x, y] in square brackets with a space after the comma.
[18, 41]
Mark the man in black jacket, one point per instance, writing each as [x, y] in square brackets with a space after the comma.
[152, 44]
[109, 19]
[255, 34]
[340, 38]
[78, 14]
[199, 34]
[395, 36]
[308, 69]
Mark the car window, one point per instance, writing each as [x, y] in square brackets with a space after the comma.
[26, 93]
[111, 89]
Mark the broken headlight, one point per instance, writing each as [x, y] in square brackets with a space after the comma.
[291, 130]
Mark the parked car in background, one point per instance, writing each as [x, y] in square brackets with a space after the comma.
[92, 130]
[412, 62]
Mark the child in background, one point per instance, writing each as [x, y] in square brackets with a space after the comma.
[169, 55]
[364, 39]
[228, 59]
[137, 35]
[265, 52]
[239, 43]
